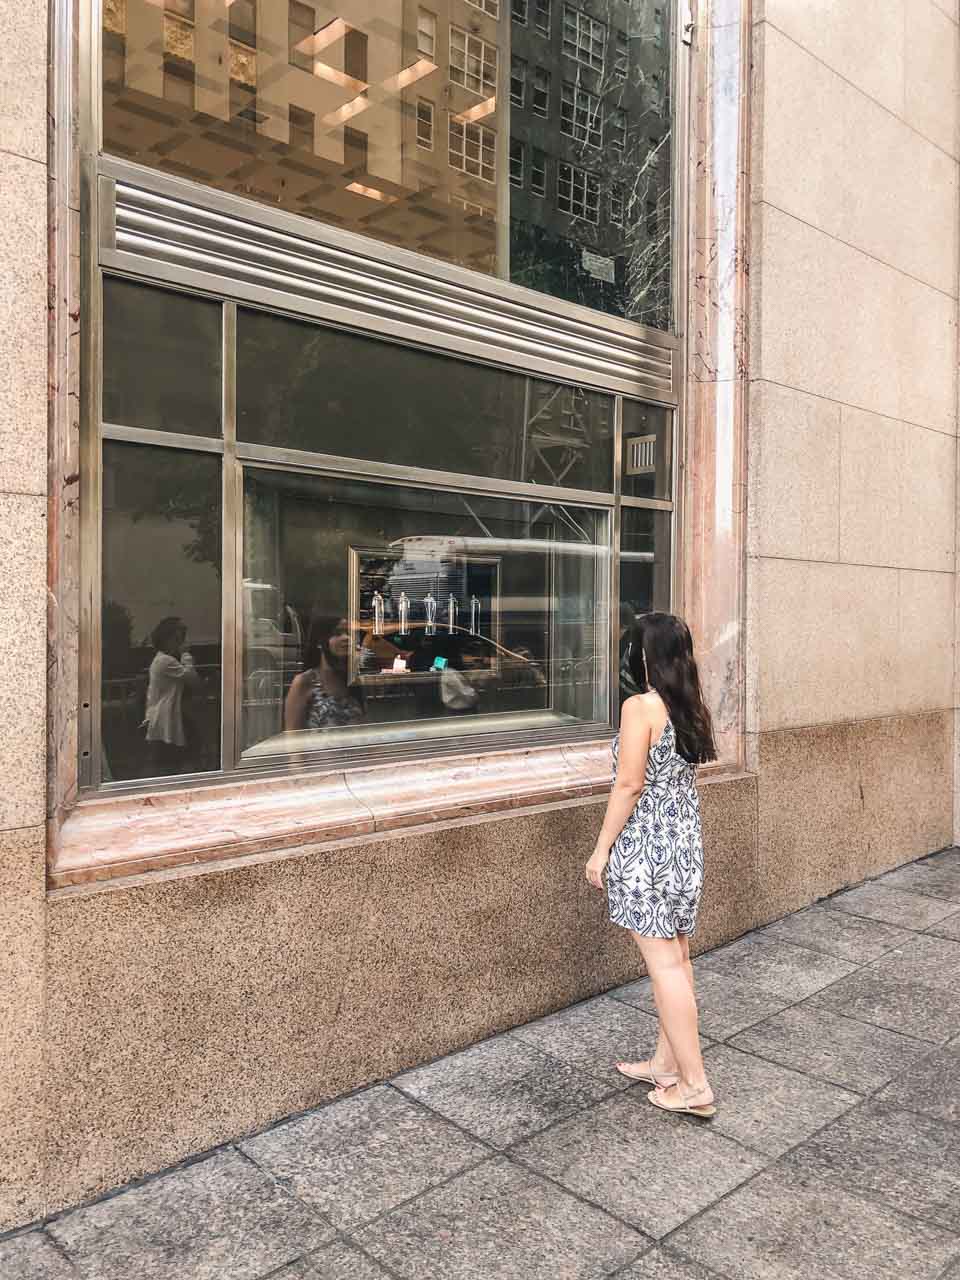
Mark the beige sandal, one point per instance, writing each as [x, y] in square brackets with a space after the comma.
[651, 1077]
[705, 1110]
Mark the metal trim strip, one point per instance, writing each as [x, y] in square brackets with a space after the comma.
[174, 235]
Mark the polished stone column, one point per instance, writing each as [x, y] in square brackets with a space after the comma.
[23, 597]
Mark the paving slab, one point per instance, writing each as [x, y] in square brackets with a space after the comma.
[931, 1086]
[779, 968]
[356, 1159]
[780, 1227]
[503, 1089]
[766, 1106]
[651, 1169]
[934, 880]
[220, 1217]
[338, 1261]
[499, 1221]
[838, 933]
[943, 857]
[831, 1047]
[34, 1256]
[909, 1162]
[947, 928]
[593, 1036]
[932, 961]
[895, 906]
[662, 1264]
[726, 1005]
[884, 999]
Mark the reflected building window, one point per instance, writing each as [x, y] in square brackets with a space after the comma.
[580, 116]
[538, 173]
[541, 92]
[473, 62]
[473, 150]
[427, 33]
[621, 55]
[616, 204]
[490, 7]
[520, 12]
[541, 16]
[578, 192]
[425, 124]
[584, 37]
[518, 81]
[517, 156]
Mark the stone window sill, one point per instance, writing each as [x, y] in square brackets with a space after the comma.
[112, 836]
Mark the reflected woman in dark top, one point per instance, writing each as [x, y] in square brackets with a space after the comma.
[319, 697]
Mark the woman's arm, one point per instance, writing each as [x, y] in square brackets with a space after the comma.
[295, 706]
[627, 786]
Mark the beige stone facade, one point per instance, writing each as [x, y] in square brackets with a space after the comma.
[148, 1016]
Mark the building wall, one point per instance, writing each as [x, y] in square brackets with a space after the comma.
[852, 468]
[23, 490]
[148, 1019]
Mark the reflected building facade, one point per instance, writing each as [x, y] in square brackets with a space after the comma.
[528, 141]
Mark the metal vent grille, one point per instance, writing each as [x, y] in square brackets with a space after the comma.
[641, 457]
[208, 240]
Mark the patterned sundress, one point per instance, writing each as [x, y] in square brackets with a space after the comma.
[655, 871]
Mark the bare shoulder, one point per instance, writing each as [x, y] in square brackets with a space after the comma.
[641, 708]
[638, 716]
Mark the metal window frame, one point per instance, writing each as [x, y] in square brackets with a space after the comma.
[99, 176]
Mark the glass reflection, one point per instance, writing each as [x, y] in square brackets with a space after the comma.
[160, 707]
[162, 359]
[528, 141]
[342, 646]
[644, 575]
[302, 386]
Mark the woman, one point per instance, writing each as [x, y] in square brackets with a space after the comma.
[171, 671]
[319, 697]
[651, 845]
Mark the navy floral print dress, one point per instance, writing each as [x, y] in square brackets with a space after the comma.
[655, 871]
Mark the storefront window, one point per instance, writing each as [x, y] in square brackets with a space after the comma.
[379, 614]
[399, 122]
[403, 551]
[160, 616]
[306, 387]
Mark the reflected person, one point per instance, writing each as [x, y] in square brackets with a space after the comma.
[171, 672]
[320, 696]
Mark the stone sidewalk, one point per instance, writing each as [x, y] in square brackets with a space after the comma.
[832, 1042]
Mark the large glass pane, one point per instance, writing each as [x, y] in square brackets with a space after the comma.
[647, 450]
[377, 615]
[645, 574]
[303, 386]
[161, 612]
[162, 359]
[528, 141]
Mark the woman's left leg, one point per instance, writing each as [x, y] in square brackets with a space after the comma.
[663, 1064]
[668, 963]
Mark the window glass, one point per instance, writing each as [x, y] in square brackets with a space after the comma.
[162, 359]
[647, 450]
[319, 112]
[304, 386]
[160, 704]
[380, 615]
[645, 575]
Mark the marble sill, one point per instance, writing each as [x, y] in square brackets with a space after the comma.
[112, 838]
[123, 835]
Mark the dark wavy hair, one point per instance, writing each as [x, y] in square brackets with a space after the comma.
[660, 657]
